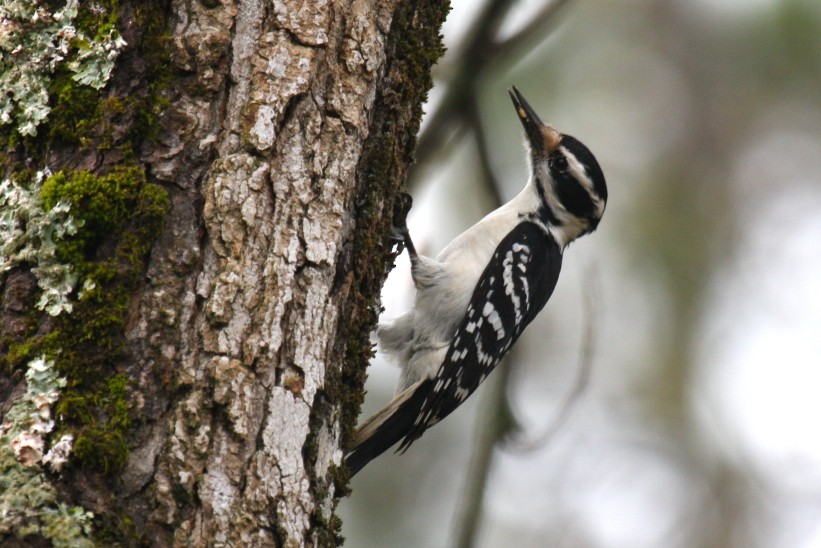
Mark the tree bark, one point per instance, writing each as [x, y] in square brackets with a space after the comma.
[283, 133]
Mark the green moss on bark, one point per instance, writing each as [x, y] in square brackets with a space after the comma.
[122, 215]
[414, 46]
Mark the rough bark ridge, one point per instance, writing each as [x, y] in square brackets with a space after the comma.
[282, 183]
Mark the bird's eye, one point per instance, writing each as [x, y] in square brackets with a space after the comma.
[559, 162]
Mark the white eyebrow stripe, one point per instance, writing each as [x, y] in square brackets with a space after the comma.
[579, 171]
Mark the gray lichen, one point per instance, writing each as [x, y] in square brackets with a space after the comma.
[29, 234]
[28, 503]
[34, 43]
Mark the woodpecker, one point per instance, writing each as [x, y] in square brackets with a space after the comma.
[477, 296]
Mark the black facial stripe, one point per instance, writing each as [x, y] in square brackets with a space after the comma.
[586, 158]
[545, 213]
[572, 195]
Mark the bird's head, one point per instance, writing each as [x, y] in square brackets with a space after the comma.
[565, 174]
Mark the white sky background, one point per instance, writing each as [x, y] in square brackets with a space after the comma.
[610, 479]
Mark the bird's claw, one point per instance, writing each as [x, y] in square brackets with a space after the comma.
[399, 232]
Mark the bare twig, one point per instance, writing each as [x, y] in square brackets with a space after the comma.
[481, 49]
[471, 58]
[538, 24]
[493, 425]
[494, 186]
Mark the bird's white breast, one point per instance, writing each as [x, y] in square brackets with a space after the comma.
[462, 263]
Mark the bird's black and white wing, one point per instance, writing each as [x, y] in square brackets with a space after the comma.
[514, 287]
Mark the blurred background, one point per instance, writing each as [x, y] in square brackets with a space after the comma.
[670, 392]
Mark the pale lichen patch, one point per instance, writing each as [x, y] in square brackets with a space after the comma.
[263, 131]
[286, 429]
[307, 21]
[28, 503]
[329, 452]
[34, 43]
[29, 234]
[281, 71]
[220, 488]
[363, 55]
[233, 280]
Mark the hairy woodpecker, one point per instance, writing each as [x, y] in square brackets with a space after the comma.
[478, 295]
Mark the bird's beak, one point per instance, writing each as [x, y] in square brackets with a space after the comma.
[543, 137]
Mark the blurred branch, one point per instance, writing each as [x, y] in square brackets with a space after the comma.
[538, 24]
[481, 50]
[494, 186]
[494, 423]
[498, 418]
[470, 60]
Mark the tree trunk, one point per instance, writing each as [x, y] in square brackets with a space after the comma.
[214, 360]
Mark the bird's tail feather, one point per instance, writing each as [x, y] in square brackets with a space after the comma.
[387, 427]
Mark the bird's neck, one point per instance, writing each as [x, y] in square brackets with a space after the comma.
[545, 209]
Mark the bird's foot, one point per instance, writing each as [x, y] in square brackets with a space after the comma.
[399, 233]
